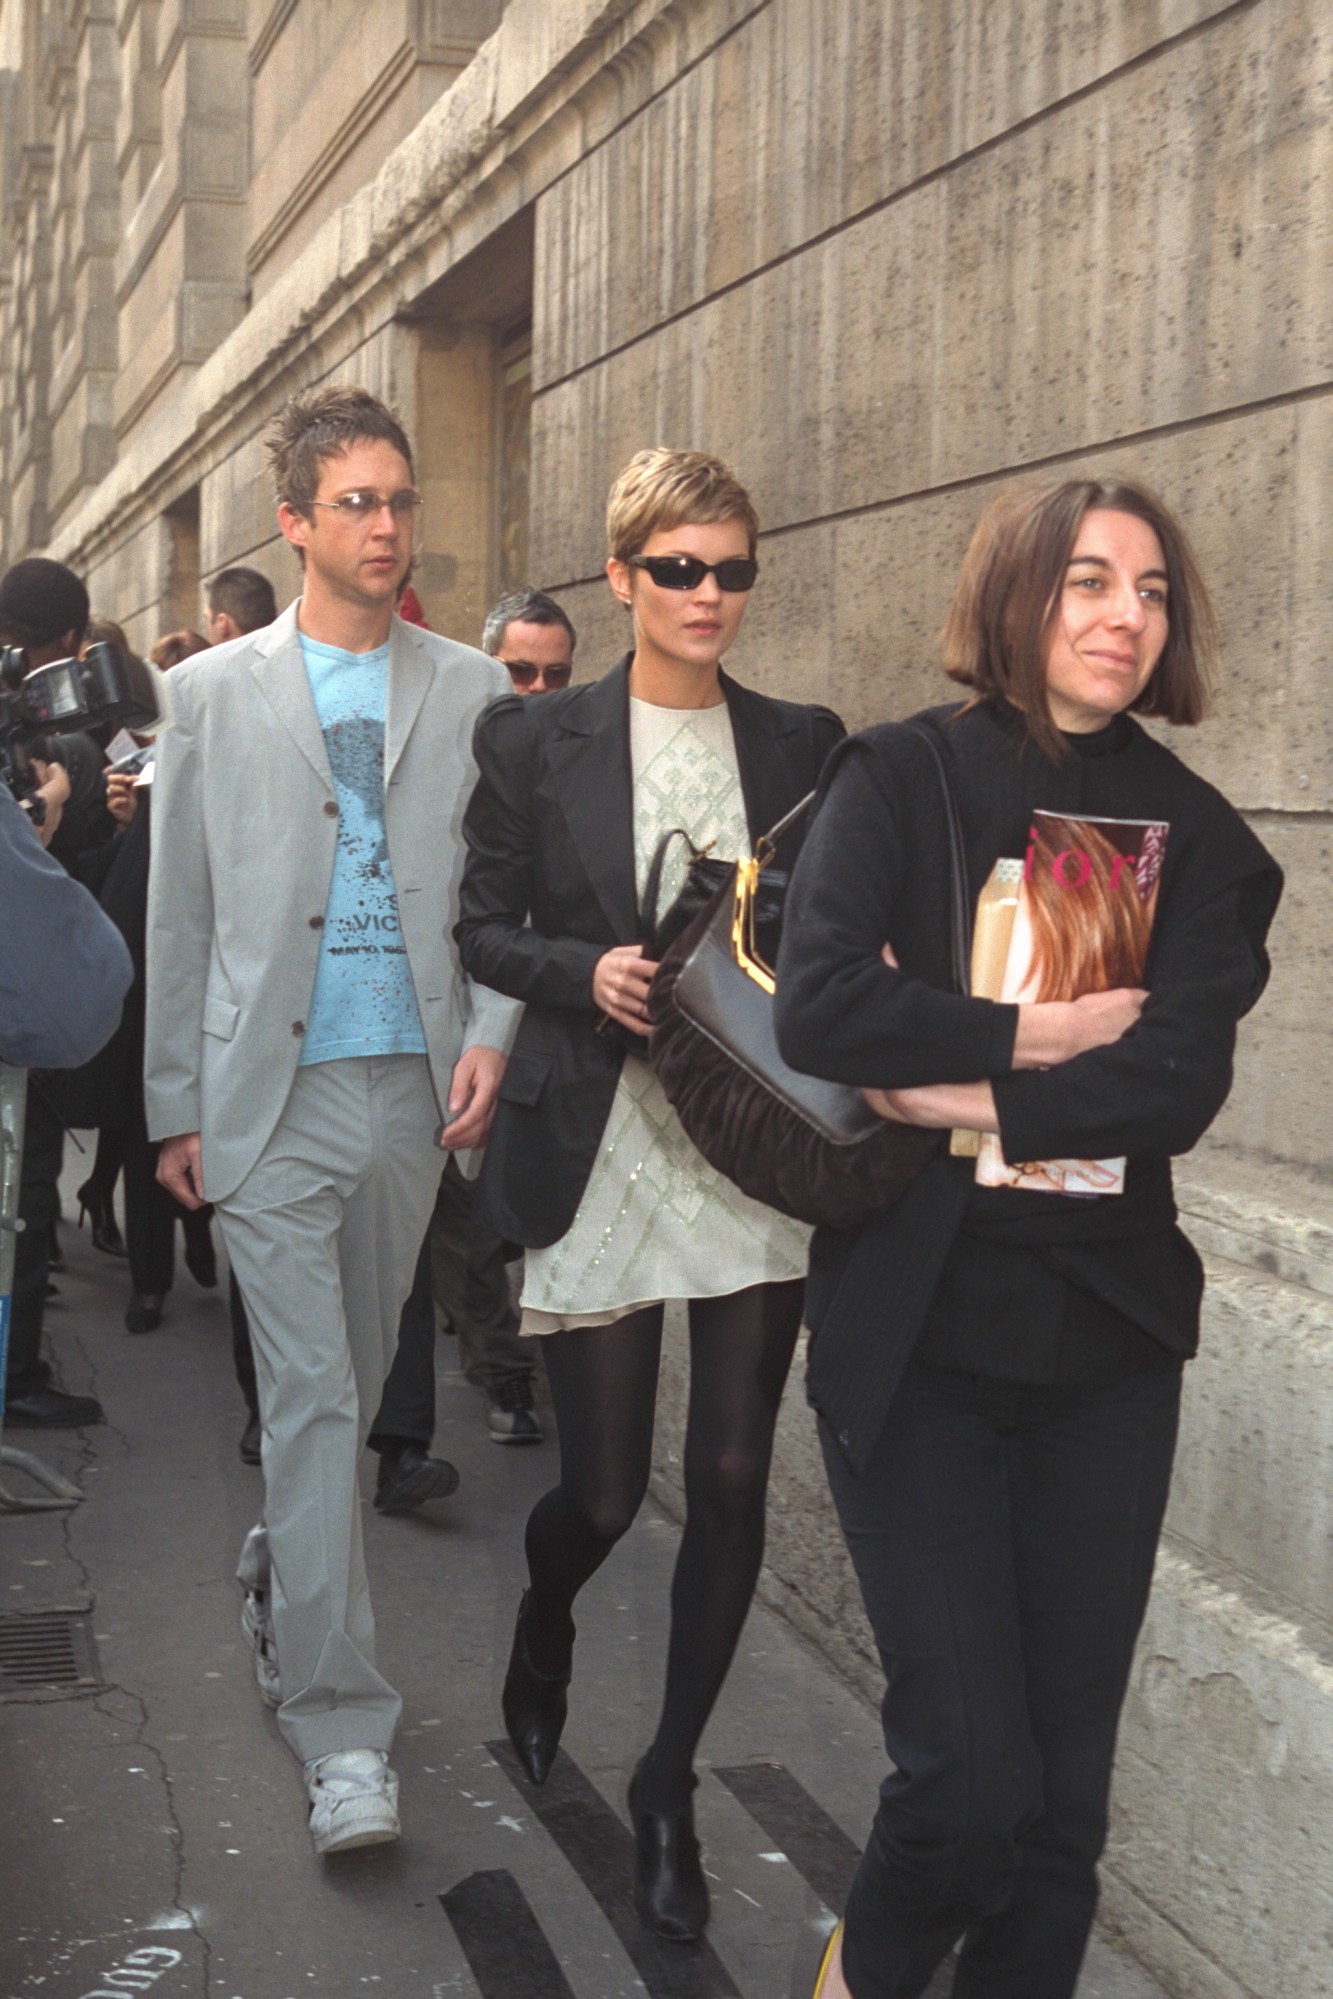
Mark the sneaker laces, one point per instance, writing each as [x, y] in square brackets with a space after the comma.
[514, 1394]
[349, 1773]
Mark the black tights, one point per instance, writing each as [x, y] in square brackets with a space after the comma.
[604, 1389]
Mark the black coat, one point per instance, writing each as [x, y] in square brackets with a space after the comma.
[875, 867]
[549, 887]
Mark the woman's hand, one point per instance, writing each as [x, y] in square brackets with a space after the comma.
[937, 1106]
[620, 982]
[1053, 1031]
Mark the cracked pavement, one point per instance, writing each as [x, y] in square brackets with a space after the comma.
[153, 1832]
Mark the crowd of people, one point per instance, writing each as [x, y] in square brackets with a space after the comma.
[410, 1039]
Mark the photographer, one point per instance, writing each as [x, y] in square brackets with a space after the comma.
[44, 613]
[60, 999]
[60, 996]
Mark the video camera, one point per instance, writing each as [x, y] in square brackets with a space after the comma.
[69, 694]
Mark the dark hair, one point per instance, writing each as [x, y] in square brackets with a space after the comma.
[522, 607]
[245, 596]
[175, 647]
[994, 638]
[41, 601]
[105, 631]
[317, 425]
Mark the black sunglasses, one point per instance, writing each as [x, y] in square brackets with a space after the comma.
[687, 572]
[524, 675]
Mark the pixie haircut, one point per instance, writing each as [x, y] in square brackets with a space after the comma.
[994, 638]
[317, 425]
[663, 489]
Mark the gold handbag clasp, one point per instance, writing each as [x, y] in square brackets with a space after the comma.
[744, 939]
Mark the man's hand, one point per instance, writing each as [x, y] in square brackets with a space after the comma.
[180, 1169]
[472, 1097]
[53, 788]
[620, 982]
[122, 797]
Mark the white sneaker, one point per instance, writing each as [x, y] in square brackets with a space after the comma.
[256, 1616]
[510, 1415]
[258, 1629]
[353, 1800]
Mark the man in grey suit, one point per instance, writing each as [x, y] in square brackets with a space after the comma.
[312, 1040]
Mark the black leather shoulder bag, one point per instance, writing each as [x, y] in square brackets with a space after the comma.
[811, 1148]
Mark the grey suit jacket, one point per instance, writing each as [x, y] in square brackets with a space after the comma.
[245, 823]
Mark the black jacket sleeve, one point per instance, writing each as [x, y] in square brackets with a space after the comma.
[1161, 1085]
[64, 969]
[1155, 1091]
[497, 944]
[842, 1012]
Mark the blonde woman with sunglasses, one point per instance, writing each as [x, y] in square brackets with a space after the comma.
[588, 1165]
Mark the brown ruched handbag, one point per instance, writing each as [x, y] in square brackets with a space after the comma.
[808, 1147]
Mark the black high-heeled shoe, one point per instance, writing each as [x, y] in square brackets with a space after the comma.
[142, 1315]
[670, 1892]
[534, 1704]
[97, 1206]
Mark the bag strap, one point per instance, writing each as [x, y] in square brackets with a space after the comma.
[766, 845]
[652, 884]
[960, 901]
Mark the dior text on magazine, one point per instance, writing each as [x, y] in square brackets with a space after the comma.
[1080, 923]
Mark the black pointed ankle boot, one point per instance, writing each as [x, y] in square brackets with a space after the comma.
[534, 1704]
[670, 1892]
[96, 1204]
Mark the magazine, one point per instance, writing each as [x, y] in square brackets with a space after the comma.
[1080, 923]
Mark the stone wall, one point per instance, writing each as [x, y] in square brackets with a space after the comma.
[887, 259]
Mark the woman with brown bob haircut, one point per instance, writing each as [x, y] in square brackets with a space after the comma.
[1012, 572]
[997, 1370]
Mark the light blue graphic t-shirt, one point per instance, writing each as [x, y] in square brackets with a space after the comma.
[363, 1002]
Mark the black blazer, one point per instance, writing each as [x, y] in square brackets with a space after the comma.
[876, 866]
[549, 886]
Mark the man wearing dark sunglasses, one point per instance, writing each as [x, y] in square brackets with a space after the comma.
[531, 635]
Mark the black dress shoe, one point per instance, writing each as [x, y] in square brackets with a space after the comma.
[52, 1409]
[143, 1315]
[249, 1444]
[409, 1476]
[534, 1704]
[97, 1206]
[670, 1892]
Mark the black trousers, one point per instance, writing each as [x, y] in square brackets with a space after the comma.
[150, 1215]
[1003, 1537]
[470, 1279]
[39, 1202]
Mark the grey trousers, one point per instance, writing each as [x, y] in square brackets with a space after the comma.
[323, 1234]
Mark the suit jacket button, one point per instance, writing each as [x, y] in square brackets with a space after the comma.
[317, 923]
[330, 807]
[298, 1027]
